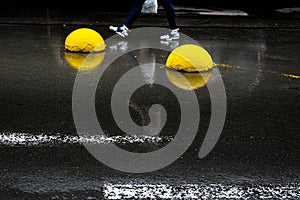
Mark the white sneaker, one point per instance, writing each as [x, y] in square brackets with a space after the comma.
[172, 35]
[121, 30]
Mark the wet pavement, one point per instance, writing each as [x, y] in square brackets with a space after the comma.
[43, 156]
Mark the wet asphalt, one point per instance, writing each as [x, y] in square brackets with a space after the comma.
[256, 157]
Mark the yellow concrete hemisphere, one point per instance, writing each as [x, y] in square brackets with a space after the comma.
[84, 40]
[189, 58]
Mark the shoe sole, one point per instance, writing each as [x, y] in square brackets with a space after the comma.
[171, 39]
[121, 34]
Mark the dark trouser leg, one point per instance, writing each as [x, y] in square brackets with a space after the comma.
[170, 12]
[135, 12]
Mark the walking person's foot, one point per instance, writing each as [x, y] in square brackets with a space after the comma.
[122, 30]
[172, 35]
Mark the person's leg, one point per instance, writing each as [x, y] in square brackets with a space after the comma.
[170, 13]
[134, 13]
[124, 28]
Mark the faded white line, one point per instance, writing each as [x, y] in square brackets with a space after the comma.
[200, 191]
[28, 139]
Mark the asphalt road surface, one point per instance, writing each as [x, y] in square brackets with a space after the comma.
[45, 154]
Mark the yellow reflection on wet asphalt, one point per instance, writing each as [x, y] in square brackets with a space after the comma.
[187, 80]
[84, 61]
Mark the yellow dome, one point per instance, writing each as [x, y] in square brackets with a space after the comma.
[84, 61]
[188, 81]
[189, 58]
[84, 40]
